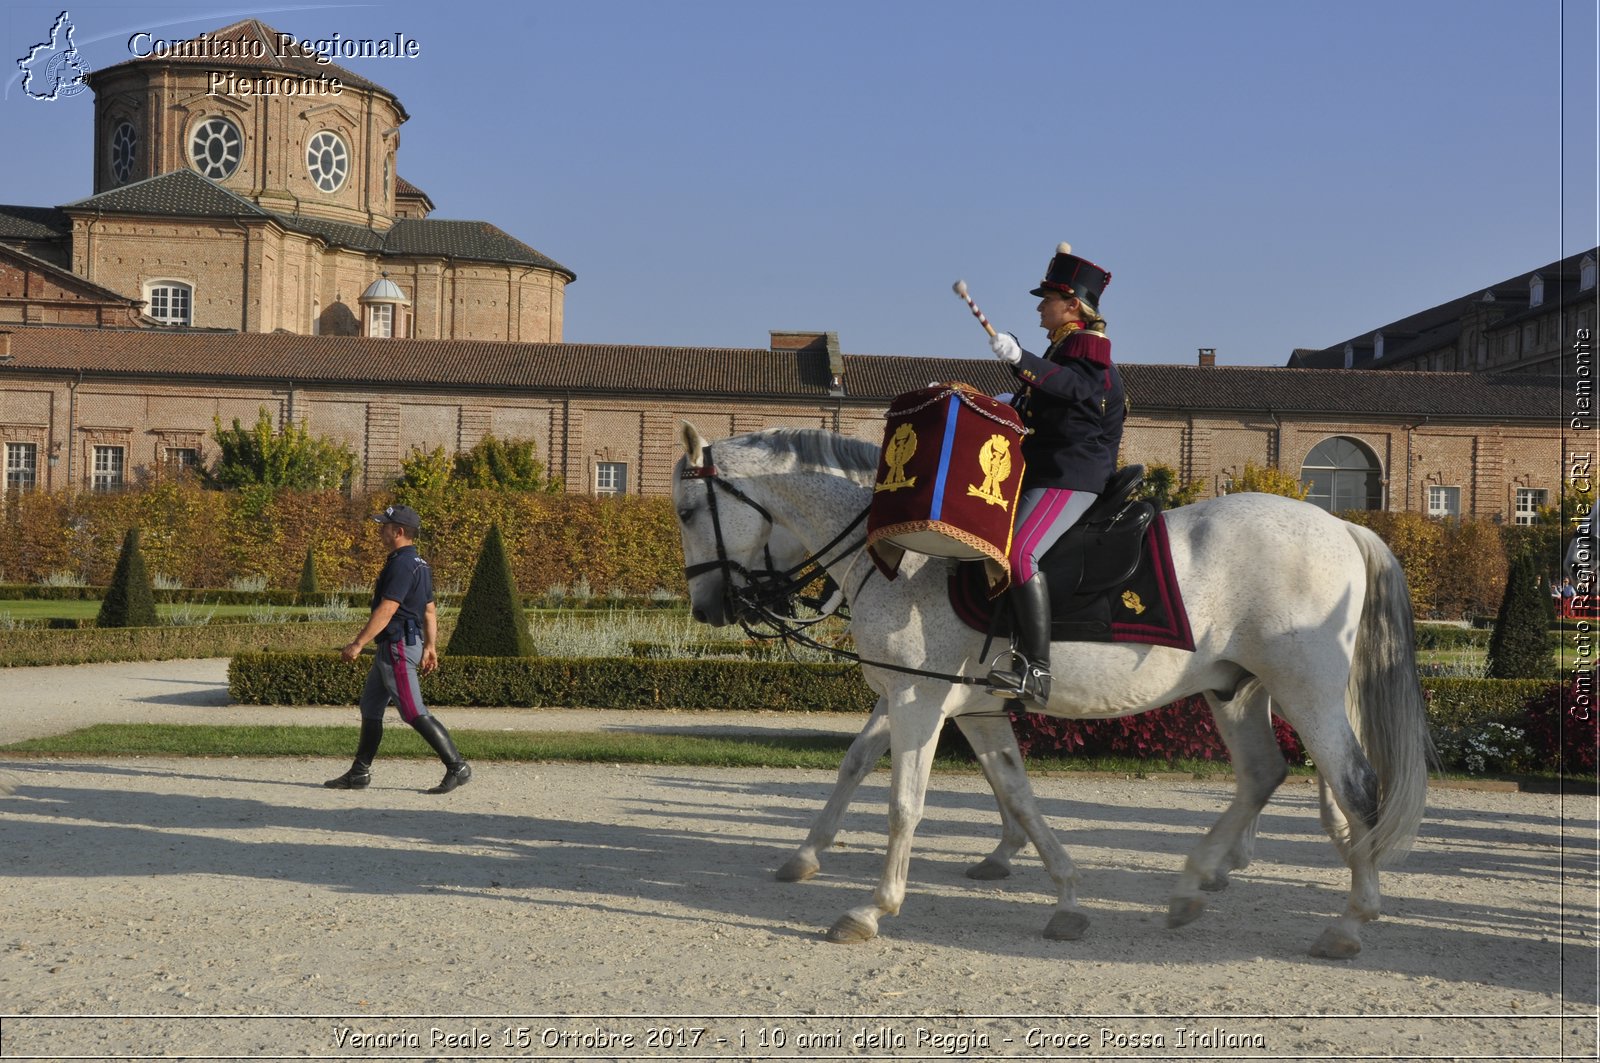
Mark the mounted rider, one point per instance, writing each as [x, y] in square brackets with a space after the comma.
[1072, 398]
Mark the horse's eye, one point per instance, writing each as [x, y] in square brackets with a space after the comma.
[684, 515]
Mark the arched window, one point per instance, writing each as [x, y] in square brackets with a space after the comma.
[170, 302]
[1340, 474]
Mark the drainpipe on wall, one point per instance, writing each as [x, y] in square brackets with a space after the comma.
[244, 302]
[72, 422]
[1409, 429]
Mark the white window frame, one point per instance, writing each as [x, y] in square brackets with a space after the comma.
[1586, 273]
[124, 148]
[22, 466]
[173, 460]
[1529, 501]
[1377, 347]
[610, 477]
[327, 161]
[380, 320]
[162, 298]
[216, 148]
[1446, 502]
[107, 469]
[1535, 291]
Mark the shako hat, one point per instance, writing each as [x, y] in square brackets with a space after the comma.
[404, 516]
[1071, 275]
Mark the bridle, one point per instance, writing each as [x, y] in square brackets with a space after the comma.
[764, 604]
[767, 596]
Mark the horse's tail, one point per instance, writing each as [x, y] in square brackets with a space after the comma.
[1384, 701]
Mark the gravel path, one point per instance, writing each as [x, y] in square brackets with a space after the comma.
[235, 908]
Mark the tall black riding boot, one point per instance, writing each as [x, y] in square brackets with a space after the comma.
[456, 768]
[1027, 675]
[359, 777]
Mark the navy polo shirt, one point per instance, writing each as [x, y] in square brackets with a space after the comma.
[406, 579]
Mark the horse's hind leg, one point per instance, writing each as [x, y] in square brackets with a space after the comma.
[864, 753]
[996, 745]
[1360, 789]
[1012, 835]
[1349, 808]
[1245, 724]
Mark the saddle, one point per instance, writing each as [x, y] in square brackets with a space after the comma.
[1110, 576]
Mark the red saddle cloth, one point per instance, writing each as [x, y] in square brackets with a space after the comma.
[1146, 606]
[948, 479]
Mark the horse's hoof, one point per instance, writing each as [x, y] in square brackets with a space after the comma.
[851, 930]
[1067, 926]
[797, 869]
[1184, 910]
[1215, 883]
[989, 870]
[1336, 944]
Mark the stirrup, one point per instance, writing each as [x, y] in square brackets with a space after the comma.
[1009, 683]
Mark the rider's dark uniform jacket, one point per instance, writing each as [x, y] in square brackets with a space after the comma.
[1073, 400]
[406, 579]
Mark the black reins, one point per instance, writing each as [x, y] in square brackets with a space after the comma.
[767, 596]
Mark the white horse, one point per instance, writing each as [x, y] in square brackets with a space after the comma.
[1291, 609]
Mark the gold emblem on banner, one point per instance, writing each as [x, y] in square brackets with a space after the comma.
[902, 445]
[994, 458]
[1131, 602]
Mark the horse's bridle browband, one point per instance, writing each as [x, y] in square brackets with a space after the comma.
[768, 594]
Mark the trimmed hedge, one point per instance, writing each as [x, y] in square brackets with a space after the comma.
[591, 682]
[97, 645]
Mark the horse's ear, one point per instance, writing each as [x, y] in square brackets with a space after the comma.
[694, 444]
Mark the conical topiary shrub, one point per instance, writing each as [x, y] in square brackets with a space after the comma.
[491, 623]
[130, 601]
[308, 577]
[1520, 646]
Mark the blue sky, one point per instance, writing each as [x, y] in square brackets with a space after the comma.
[1256, 175]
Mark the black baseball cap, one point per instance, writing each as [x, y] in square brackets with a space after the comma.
[404, 516]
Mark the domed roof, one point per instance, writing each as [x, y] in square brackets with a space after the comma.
[384, 290]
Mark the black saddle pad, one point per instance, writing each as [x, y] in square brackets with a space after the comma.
[1134, 599]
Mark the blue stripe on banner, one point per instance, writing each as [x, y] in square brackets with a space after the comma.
[944, 457]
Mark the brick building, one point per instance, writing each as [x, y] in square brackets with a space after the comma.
[95, 409]
[243, 183]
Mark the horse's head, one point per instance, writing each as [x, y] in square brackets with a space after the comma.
[725, 532]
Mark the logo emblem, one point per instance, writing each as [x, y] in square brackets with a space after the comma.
[902, 445]
[1131, 602]
[994, 458]
[53, 69]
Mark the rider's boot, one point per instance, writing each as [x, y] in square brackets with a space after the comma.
[456, 768]
[359, 777]
[1026, 677]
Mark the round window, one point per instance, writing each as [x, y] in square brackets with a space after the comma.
[327, 161]
[123, 141]
[215, 148]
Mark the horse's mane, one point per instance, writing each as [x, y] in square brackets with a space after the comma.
[815, 448]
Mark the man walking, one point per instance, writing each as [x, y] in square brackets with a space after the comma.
[405, 625]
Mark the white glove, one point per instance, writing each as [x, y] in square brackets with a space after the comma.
[1006, 348]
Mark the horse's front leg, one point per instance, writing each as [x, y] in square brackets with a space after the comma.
[913, 736]
[863, 754]
[996, 746]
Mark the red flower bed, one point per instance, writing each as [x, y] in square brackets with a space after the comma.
[1182, 730]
